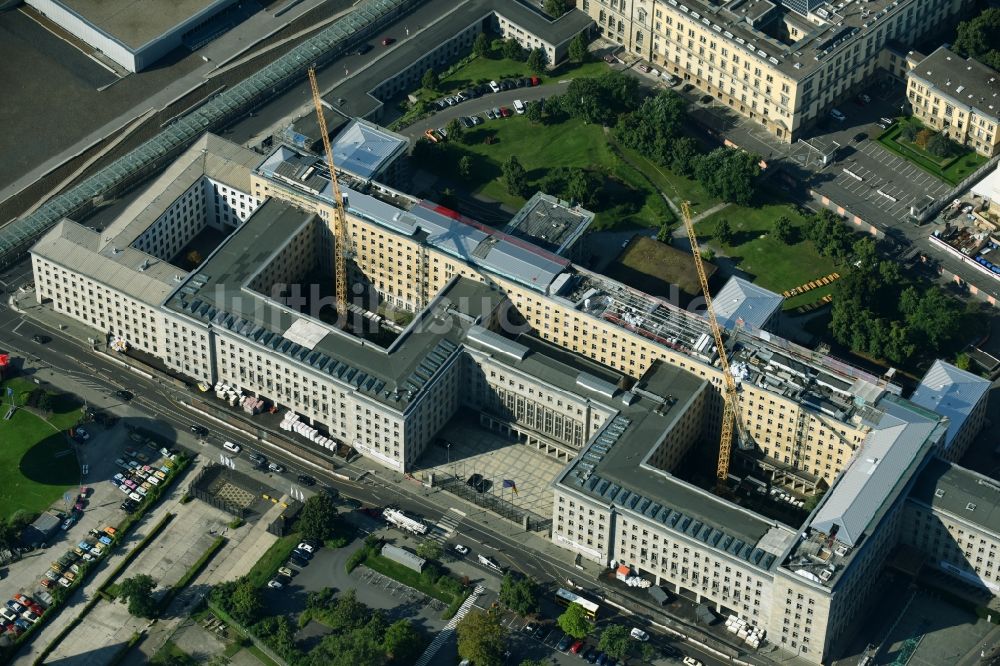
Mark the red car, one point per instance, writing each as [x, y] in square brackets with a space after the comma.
[388, 40]
[504, 111]
[577, 646]
[535, 81]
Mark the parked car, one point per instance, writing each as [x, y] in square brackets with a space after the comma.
[81, 435]
[304, 554]
[285, 571]
[540, 632]
[496, 112]
[8, 614]
[465, 122]
[494, 86]
[860, 136]
[257, 458]
[504, 111]
[644, 68]
[275, 467]
[122, 394]
[306, 480]
[564, 643]
[461, 550]
[199, 430]
[576, 647]
[837, 115]
[41, 339]
[14, 606]
[691, 661]
[518, 106]
[229, 446]
[298, 560]
[386, 41]
[638, 634]
[308, 547]
[274, 584]
[68, 523]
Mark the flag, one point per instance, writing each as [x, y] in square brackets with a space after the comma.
[507, 483]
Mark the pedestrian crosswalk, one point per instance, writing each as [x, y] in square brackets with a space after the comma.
[449, 629]
[445, 527]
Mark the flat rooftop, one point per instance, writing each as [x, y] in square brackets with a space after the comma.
[135, 23]
[218, 294]
[440, 227]
[550, 223]
[966, 81]
[613, 470]
[655, 267]
[364, 149]
[968, 496]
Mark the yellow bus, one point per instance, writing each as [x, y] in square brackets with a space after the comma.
[565, 598]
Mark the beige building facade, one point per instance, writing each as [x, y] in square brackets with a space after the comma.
[782, 65]
[959, 97]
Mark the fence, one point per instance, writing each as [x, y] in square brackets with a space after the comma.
[200, 488]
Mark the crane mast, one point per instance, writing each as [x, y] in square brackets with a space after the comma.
[730, 411]
[339, 218]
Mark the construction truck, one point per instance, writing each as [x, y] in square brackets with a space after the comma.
[397, 518]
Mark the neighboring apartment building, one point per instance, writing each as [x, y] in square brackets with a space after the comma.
[957, 96]
[781, 64]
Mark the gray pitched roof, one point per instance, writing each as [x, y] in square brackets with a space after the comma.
[364, 149]
[951, 392]
[969, 496]
[740, 299]
[897, 443]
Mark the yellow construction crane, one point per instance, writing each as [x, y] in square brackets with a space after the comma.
[731, 407]
[339, 218]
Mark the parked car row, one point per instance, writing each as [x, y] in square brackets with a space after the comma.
[20, 612]
[485, 88]
[441, 133]
[299, 557]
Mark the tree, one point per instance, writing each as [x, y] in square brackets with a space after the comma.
[246, 602]
[923, 136]
[729, 174]
[512, 49]
[649, 653]
[583, 187]
[138, 592]
[481, 638]
[464, 166]
[538, 60]
[724, 232]
[578, 48]
[574, 621]
[615, 641]
[682, 156]
[909, 132]
[348, 613]
[601, 99]
[533, 110]
[963, 361]
[429, 550]
[533, 662]
[520, 595]
[455, 130]
[514, 176]
[277, 632]
[783, 230]
[481, 47]
[430, 79]
[318, 518]
[979, 38]
[556, 8]
[665, 232]
[940, 145]
[402, 643]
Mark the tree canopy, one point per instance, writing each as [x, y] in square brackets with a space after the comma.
[615, 641]
[729, 174]
[602, 99]
[574, 621]
[515, 178]
[520, 595]
[512, 49]
[430, 80]
[481, 47]
[138, 592]
[538, 60]
[979, 38]
[556, 8]
[578, 48]
[481, 638]
[318, 518]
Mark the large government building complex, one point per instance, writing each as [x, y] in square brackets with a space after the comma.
[620, 386]
[783, 64]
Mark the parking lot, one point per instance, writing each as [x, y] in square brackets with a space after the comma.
[878, 185]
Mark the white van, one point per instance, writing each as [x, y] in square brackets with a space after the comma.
[229, 446]
[519, 106]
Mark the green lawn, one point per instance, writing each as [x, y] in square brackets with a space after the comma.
[541, 147]
[952, 170]
[274, 557]
[675, 186]
[773, 264]
[406, 576]
[37, 464]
